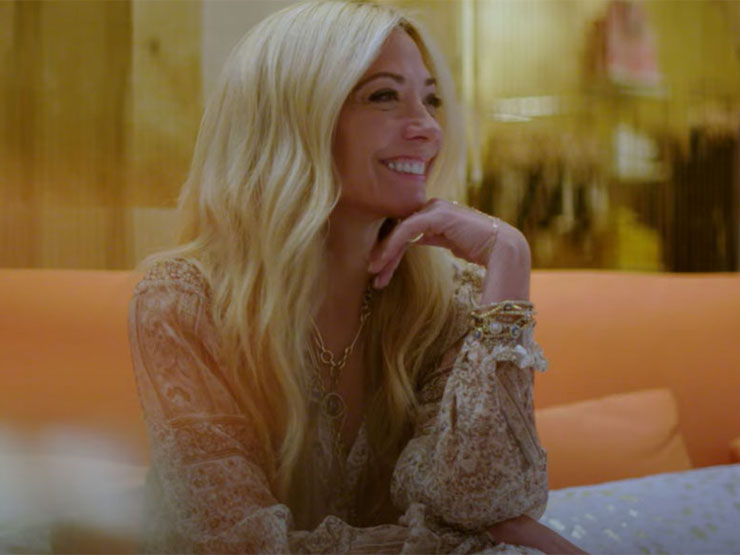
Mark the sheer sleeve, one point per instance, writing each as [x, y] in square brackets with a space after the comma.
[208, 490]
[475, 458]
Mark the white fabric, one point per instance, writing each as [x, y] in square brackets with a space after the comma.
[695, 511]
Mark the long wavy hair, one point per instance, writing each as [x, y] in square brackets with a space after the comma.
[253, 214]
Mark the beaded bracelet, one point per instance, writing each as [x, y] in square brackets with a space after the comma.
[505, 319]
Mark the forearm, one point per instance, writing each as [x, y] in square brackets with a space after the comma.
[508, 269]
[526, 531]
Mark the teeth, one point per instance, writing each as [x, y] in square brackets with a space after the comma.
[416, 168]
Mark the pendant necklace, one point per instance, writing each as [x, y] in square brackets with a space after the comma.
[332, 404]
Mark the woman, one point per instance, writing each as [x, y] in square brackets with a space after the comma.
[315, 377]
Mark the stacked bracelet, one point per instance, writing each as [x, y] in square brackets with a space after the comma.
[502, 320]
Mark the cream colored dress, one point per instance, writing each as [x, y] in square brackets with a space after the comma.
[474, 458]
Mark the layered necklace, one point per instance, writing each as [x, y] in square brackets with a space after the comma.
[332, 404]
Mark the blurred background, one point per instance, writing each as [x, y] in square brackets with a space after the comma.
[607, 130]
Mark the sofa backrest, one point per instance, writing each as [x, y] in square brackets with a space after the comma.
[608, 332]
[66, 366]
[66, 361]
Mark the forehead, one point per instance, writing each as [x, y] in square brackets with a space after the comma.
[399, 54]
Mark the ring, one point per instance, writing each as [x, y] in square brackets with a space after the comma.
[417, 238]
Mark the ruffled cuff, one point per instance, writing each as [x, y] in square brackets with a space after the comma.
[423, 526]
[524, 354]
[504, 331]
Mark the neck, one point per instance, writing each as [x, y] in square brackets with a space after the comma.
[351, 237]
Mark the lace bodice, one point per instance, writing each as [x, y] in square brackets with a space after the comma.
[474, 458]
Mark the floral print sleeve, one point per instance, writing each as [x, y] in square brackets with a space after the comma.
[206, 490]
[475, 458]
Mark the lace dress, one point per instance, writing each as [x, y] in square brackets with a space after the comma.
[473, 460]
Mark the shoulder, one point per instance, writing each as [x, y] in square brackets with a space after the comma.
[174, 275]
[174, 294]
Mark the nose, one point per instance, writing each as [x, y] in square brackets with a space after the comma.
[420, 124]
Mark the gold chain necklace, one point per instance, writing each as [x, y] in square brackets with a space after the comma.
[332, 404]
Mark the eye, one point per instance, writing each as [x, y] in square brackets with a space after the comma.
[433, 101]
[384, 95]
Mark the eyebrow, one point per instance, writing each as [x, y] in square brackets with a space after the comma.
[400, 79]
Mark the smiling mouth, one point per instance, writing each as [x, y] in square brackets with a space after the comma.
[408, 167]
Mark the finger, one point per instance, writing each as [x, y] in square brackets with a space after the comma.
[387, 272]
[430, 240]
[384, 276]
[400, 237]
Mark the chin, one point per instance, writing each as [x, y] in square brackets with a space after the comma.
[411, 205]
[398, 206]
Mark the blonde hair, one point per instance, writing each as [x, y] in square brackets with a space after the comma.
[254, 211]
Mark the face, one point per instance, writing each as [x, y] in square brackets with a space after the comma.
[387, 135]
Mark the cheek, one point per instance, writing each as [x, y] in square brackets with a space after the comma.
[348, 148]
[354, 170]
[357, 158]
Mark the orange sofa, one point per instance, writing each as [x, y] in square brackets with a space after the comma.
[658, 355]
[674, 338]
[644, 377]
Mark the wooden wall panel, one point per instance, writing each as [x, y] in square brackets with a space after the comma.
[20, 78]
[99, 107]
[64, 136]
[100, 102]
[166, 99]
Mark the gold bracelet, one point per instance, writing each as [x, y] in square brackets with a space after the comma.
[504, 319]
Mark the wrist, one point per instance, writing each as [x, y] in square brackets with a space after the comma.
[486, 252]
[511, 531]
[526, 531]
[507, 270]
